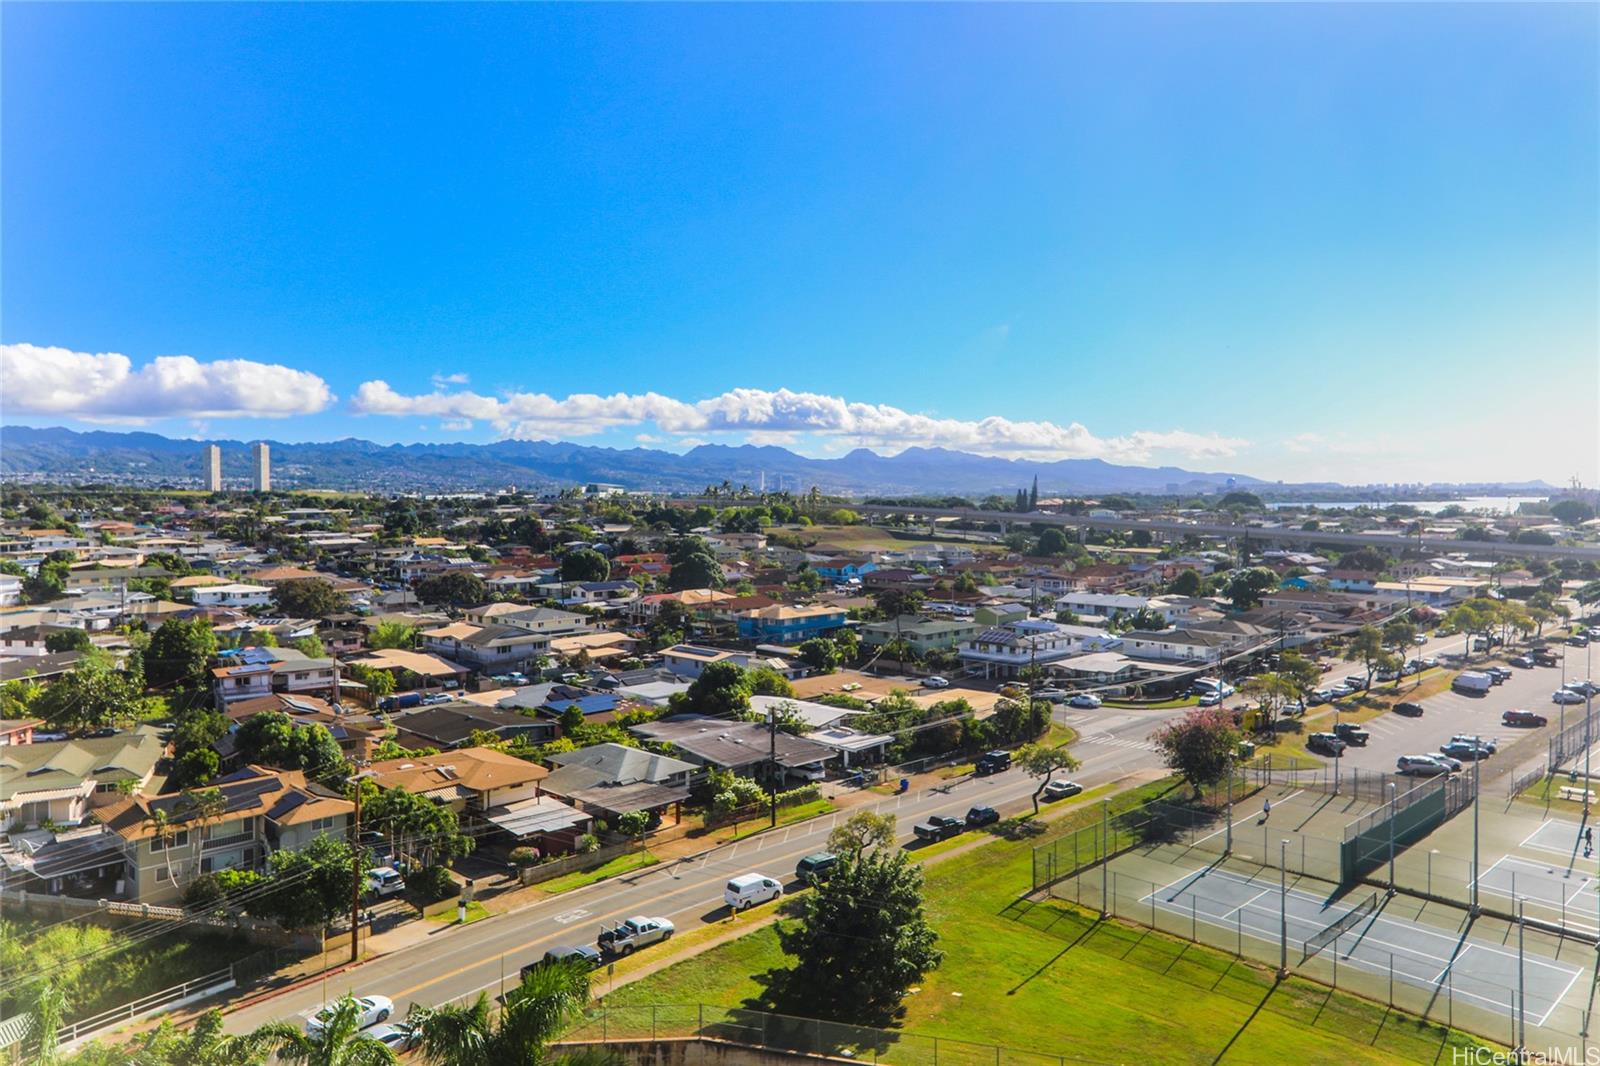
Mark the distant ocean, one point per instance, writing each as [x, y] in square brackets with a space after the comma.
[1492, 504]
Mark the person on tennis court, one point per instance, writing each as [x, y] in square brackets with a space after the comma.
[1266, 811]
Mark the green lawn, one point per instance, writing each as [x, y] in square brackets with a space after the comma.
[1050, 978]
[475, 910]
[1157, 705]
[798, 813]
[634, 860]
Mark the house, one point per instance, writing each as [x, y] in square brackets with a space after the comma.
[1114, 668]
[606, 595]
[599, 647]
[109, 578]
[10, 590]
[740, 747]
[1101, 577]
[844, 568]
[689, 660]
[452, 725]
[29, 642]
[923, 635]
[356, 734]
[58, 781]
[783, 624]
[402, 662]
[231, 595]
[612, 779]
[17, 730]
[544, 621]
[492, 647]
[247, 673]
[693, 601]
[1112, 604]
[168, 840]
[1005, 651]
[1176, 645]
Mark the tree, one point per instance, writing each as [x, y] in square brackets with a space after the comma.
[720, 691]
[694, 566]
[379, 682]
[1044, 761]
[1246, 587]
[1271, 692]
[1303, 674]
[765, 681]
[454, 588]
[861, 832]
[1187, 583]
[860, 940]
[1571, 512]
[274, 739]
[1399, 632]
[308, 886]
[392, 635]
[820, 654]
[310, 646]
[339, 1042]
[1239, 500]
[1053, 542]
[537, 1011]
[307, 597]
[1147, 620]
[204, 1044]
[1201, 746]
[93, 695]
[1366, 647]
[893, 603]
[585, 564]
[68, 640]
[180, 654]
[806, 580]
[422, 827]
[47, 1009]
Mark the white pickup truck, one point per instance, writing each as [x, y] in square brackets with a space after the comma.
[636, 932]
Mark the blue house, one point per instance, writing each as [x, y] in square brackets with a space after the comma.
[783, 624]
[844, 569]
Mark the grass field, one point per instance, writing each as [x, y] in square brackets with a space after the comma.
[1051, 978]
[786, 815]
[475, 910]
[634, 860]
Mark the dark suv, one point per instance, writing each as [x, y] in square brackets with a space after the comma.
[981, 816]
[1351, 733]
[992, 762]
[1410, 710]
[1325, 744]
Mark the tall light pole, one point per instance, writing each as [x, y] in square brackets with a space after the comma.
[1392, 812]
[1283, 909]
[1477, 801]
[1522, 984]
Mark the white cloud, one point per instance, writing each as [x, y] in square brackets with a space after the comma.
[105, 387]
[458, 378]
[779, 416]
[456, 425]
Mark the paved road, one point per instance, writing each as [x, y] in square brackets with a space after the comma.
[457, 962]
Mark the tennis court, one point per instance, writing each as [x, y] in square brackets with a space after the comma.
[1558, 837]
[1402, 951]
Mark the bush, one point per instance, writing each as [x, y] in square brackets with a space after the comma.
[587, 843]
[432, 883]
[633, 823]
[794, 797]
[202, 891]
[521, 857]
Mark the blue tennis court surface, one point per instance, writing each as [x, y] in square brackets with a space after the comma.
[1416, 954]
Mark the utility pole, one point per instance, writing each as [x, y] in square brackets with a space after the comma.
[1391, 837]
[1522, 984]
[356, 880]
[1477, 802]
[772, 763]
[1283, 909]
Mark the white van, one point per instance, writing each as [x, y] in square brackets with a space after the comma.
[747, 890]
[385, 881]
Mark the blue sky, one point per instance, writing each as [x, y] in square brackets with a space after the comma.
[1353, 242]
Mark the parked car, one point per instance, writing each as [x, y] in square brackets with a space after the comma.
[1085, 700]
[992, 762]
[816, 867]
[938, 827]
[1409, 710]
[581, 954]
[637, 932]
[1430, 661]
[1578, 640]
[981, 816]
[1325, 744]
[747, 890]
[1419, 640]
[1524, 719]
[1525, 662]
[1421, 766]
[1450, 761]
[396, 1036]
[935, 682]
[1546, 657]
[1499, 673]
[1211, 699]
[1463, 751]
[1053, 695]
[373, 1009]
[1055, 790]
[1565, 695]
[385, 881]
[1488, 744]
[1388, 675]
[1351, 733]
[1584, 688]
[1320, 696]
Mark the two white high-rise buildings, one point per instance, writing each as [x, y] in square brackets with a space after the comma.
[260, 467]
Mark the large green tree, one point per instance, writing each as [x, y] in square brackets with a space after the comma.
[860, 941]
[1366, 647]
[1044, 761]
[95, 694]
[180, 654]
[307, 597]
[453, 588]
[722, 690]
[420, 826]
[1201, 746]
[1246, 587]
[272, 738]
[694, 566]
[339, 1042]
[309, 886]
[585, 564]
[535, 1013]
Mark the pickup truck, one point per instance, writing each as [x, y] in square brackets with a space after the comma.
[636, 932]
[938, 827]
[1351, 733]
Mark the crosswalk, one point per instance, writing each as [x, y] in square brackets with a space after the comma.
[1109, 740]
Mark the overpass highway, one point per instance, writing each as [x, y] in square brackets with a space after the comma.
[455, 962]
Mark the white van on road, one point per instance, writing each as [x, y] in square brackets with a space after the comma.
[747, 890]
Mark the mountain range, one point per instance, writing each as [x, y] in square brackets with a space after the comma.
[58, 454]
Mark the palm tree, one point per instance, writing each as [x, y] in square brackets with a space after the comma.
[41, 1042]
[338, 1043]
[534, 1014]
